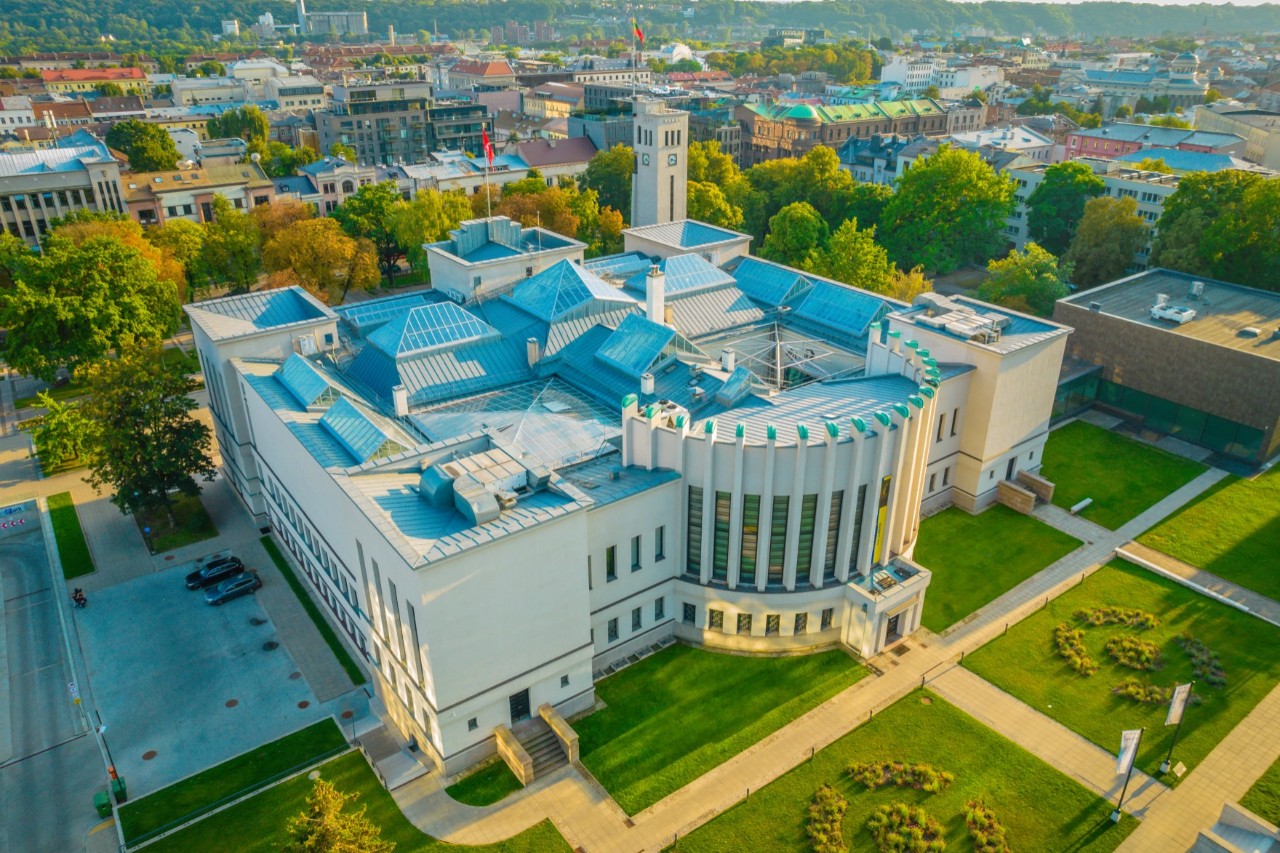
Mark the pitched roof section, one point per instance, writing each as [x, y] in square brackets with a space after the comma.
[365, 317]
[635, 345]
[768, 283]
[687, 234]
[363, 434]
[429, 328]
[842, 308]
[540, 153]
[564, 287]
[250, 313]
[833, 114]
[304, 382]
[685, 274]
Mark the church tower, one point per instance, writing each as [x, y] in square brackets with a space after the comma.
[660, 182]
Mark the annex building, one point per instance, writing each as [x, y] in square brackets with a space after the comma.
[501, 489]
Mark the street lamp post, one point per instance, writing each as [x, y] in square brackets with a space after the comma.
[146, 534]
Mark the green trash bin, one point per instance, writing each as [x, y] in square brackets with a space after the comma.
[118, 788]
[102, 803]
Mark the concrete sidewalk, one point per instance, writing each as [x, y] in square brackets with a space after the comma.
[1259, 605]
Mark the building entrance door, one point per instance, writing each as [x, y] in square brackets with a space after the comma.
[892, 630]
[519, 706]
[1008, 474]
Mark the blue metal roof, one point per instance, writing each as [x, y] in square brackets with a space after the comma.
[563, 287]
[1181, 161]
[688, 234]
[635, 345]
[248, 313]
[766, 282]
[364, 317]
[684, 274]
[841, 308]
[303, 381]
[430, 327]
[619, 266]
[357, 432]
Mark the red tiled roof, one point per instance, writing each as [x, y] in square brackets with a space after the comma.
[481, 68]
[556, 152]
[77, 75]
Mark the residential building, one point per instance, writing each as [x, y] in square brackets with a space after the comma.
[1115, 139]
[874, 160]
[555, 158]
[966, 117]
[326, 183]
[1179, 81]
[479, 73]
[16, 111]
[781, 130]
[389, 123]
[190, 91]
[340, 23]
[1212, 380]
[74, 81]
[717, 124]
[1260, 129]
[792, 37]
[604, 130]
[1022, 141]
[154, 198]
[78, 172]
[255, 73]
[594, 69]
[302, 92]
[553, 100]
[917, 73]
[1185, 162]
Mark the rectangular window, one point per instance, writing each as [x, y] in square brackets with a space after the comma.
[689, 613]
[826, 618]
[720, 549]
[946, 475]
[744, 623]
[659, 609]
[472, 724]
[613, 630]
[933, 482]
[611, 563]
[717, 620]
[942, 419]
[590, 585]
[660, 544]
[750, 537]
[808, 515]
[778, 539]
[635, 553]
[833, 537]
[955, 419]
[564, 681]
[693, 553]
[636, 619]
[772, 625]
[417, 644]
[802, 623]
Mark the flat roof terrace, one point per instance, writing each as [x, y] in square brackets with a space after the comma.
[1226, 314]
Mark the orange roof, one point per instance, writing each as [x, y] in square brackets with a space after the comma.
[85, 75]
[479, 68]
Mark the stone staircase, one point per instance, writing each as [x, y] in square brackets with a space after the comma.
[543, 747]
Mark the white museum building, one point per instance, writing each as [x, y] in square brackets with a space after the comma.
[505, 485]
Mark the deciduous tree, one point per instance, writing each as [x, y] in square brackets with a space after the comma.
[906, 285]
[1055, 207]
[248, 123]
[62, 434]
[1109, 235]
[323, 827]
[230, 252]
[706, 203]
[370, 214]
[428, 219]
[275, 217]
[609, 174]
[148, 146]
[326, 261]
[853, 256]
[1029, 281]
[796, 233]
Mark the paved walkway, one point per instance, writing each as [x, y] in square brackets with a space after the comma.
[1249, 601]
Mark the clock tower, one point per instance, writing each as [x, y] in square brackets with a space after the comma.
[659, 185]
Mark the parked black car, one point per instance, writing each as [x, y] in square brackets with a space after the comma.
[242, 584]
[214, 571]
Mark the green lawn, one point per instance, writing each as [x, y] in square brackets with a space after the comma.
[174, 355]
[1041, 808]
[1232, 530]
[1025, 663]
[192, 524]
[679, 713]
[1263, 799]
[258, 824]
[486, 786]
[1123, 476]
[977, 558]
[326, 630]
[72, 549]
[62, 393]
[230, 779]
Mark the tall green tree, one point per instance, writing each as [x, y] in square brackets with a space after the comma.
[149, 147]
[949, 210]
[78, 301]
[428, 219]
[371, 214]
[62, 434]
[1055, 207]
[13, 251]
[145, 443]
[706, 203]
[853, 256]
[323, 827]
[230, 252]
[1244, 245]
[323, 259]
[796, 234]
[707, 163]
[1029, 281]
[182, 239]
[1109, 236]
[609, 174]
[248, 123]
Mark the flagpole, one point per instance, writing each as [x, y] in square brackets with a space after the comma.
[1115, 815]
[1168, 759]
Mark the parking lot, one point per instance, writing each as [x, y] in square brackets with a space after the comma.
[181, 685]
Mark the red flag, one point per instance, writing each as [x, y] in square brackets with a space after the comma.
[488, 147]
[636, 29]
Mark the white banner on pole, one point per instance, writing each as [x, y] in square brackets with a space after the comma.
[1181, 693]
[1128, 750]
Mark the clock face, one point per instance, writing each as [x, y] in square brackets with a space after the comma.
[644, 159]
[671, 160]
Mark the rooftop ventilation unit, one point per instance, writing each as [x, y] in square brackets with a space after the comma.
[1250, 332]
[1197, 290]
[1096, 307]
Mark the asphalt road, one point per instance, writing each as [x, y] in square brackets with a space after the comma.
[54, 766]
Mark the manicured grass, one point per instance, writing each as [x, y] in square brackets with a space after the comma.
[339, 651]
[977, 558]
[174, 355]
[1232, 530]
[1123, 476]
[1263, 799]
[258, 824]
[1041, 808]
[677, 714]
[73, 551]
[63, 392]
[486, 786]
[191, 524]
[1025, 663]
[230, 779]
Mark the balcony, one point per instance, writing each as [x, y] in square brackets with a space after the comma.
[897, 581]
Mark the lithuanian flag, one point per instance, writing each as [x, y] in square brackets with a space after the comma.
[635, 28]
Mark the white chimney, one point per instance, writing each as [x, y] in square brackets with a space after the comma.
[728, 360]
[646, 383]
[655, 289]
[400, 398]
[533, 350]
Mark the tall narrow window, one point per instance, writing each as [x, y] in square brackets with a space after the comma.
[882, 516]
[720, 549]
[827, 618]
[659, 609]
[744, 623]
[660, 544]
[611, 563]
[636, 618]
[859, 506]
[946, 475]
[716, 618]
[750, 536]
[955, 420]
[808, 513]
[801, 624]
[772, 624]
[778, 539]
[942, 419]
[688, 613]
[693, 553]
[635, 553]
[613, 630]
[833, 537]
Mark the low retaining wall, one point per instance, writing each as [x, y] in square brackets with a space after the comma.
[514, 754]
[563, 731]
[1015, 497]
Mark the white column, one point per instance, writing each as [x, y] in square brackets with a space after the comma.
[897, 488]
[822, 517]
[708, 501]
[735, 509]
[793, 508]
[765, 534]
[856, 449]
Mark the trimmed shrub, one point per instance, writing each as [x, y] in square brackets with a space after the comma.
[921, 777]
[988, 834]
[1135, 652]
[1139, 619]
[1144, 692]
[1204, 661]
[900, 828]
[826, 821]
[1070, 644]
